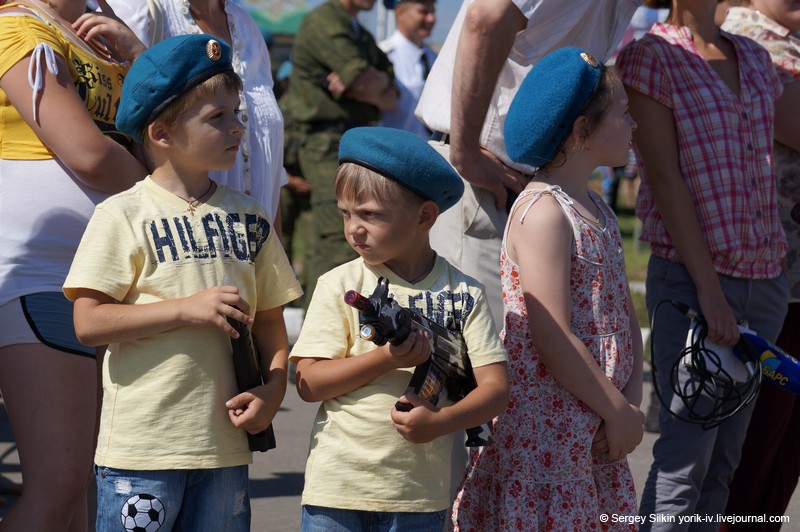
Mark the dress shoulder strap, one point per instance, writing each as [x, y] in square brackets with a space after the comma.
[534, 195]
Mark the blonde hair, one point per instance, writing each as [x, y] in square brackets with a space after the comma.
[227, 80]
[361, 184]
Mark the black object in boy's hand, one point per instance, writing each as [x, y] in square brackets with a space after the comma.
[383, 320]
[248, 376]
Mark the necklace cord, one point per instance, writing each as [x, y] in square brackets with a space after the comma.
[193, 203]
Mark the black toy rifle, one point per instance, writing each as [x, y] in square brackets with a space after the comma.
[448, 368]
[247, 368]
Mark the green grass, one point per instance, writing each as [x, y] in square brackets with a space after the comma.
[636, 257]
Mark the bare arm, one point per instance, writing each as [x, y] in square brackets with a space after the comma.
[486, 40]
[633, 389]
[426, 422]
[375, 87]
[371, 86]
[99, 319]
[65, 126]
[322, 379]
[657, 142]
[543, 246]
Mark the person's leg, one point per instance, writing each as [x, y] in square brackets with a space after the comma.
[416, 521]
[469, 235]
[127, 499]
[762, 305]
[770, 463]
[51, 400]
[323, 519]
[682, 452]
[327, 247]
[216, 499]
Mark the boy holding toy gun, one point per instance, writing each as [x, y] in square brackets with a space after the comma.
[371, 465]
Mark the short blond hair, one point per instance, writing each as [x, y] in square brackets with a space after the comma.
[361, 184]
[227, 80]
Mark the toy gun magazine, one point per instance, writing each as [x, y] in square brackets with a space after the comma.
[448, 368]
[247, 368]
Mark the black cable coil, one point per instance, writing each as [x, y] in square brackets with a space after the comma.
[707, 391]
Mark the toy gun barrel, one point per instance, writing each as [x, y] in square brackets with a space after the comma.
[356, 300]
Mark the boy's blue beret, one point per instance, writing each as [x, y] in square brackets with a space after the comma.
[165, 71]
[405, 158]
[552, 96]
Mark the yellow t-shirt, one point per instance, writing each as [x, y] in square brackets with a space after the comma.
[164, 395]
[357, 459]
[97, 81]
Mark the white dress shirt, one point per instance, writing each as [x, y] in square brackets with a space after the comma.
[596, 26]
[258, 170]
[406, 57]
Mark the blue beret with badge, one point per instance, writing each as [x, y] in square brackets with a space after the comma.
[163, 73]
[553, 94]
[405, 158]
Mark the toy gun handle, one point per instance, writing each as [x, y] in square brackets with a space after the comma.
[248, 376]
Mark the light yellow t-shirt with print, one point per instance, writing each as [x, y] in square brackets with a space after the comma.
[164, 395]
[357, 459]
[98, 82]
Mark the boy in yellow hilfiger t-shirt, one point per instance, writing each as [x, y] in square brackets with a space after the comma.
[158, 273]
[371, 466]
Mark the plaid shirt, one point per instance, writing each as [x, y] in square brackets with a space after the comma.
[724, 145]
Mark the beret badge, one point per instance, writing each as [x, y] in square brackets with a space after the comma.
[213, 50]
[589, 58]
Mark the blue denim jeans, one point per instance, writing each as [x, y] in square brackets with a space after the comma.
[322, 519]
[196, 500]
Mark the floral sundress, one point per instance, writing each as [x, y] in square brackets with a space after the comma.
[540, 474]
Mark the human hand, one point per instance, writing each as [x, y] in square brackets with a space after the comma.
[335, 84]
[418, 425]
[483, 169]
[414, 350]
[108, 30]
[369, 81]
[249, 410]
[623, 432]
[600, 440]
[298, 185]
[722, 326]
[214, 306]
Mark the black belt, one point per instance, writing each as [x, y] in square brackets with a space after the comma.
[438, 136]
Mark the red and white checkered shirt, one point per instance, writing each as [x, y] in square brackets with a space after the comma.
[724, 145]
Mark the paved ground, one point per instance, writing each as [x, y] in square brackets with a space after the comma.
[277, 476]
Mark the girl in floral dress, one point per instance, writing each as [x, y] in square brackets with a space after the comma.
[558, 461]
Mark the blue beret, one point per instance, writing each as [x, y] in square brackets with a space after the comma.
[165, 71]
[403, 157]
[551, 97]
